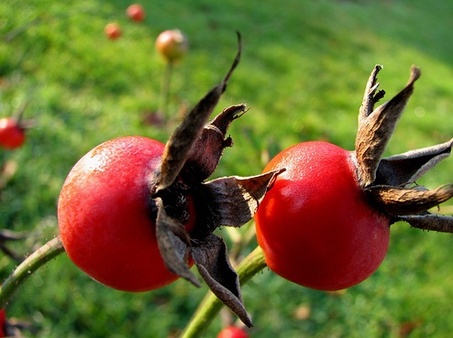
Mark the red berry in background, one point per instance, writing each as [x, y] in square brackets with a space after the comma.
[232, 332]
[136, 12]
[2, 323]
[172, 45]
[315, 224]
[113, 31]
[104, 213]
[325, 223]
[12, 135]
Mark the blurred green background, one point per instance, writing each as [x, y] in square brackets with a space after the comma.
[302, 74]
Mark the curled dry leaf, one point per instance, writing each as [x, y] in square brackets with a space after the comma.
[390, 182]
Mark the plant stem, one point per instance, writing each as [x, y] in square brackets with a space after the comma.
[166, 82]
[24, 270]
[211, 305]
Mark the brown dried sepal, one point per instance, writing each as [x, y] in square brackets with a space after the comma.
[407, 201]
[377, 126]
[390, 182]
[206, 152]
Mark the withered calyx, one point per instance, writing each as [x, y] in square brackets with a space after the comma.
[190, 157]
[390, 182]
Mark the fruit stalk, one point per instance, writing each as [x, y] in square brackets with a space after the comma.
[211, 305]
[166, 83]
[48, 251]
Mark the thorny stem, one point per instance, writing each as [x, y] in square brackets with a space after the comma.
[32, 263]
[211, 305]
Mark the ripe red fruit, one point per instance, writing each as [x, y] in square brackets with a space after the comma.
[12, 135]
[172, 45]
[232, 332]
[136, 12]
[113, 31]
[105, 213]
[315, 225]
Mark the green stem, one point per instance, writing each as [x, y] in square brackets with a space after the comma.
[166, 83]
[32, 263]
[211, 305]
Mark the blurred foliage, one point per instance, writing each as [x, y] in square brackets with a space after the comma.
[303, 71]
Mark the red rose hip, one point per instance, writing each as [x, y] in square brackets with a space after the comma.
[315, 225]
[106, 215]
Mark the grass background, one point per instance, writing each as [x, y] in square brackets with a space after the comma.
[303, 71]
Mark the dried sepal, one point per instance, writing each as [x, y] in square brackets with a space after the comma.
[376, 128]
[211, 258]
[390, 183]
[370, 97]
[186, 134]
[406, 168]
[397, 201]
[236, 199]
[172, 240]
[428, 221]
[208, 148]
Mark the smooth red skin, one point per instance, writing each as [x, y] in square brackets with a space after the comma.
[315, 225]
[135, 12]
[169, 45]
[103, 215]
[12, 136]
[113, 31]
[232, 332]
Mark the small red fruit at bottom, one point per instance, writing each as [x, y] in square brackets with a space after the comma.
[2, 323]
[12, 136]
[135, 12]
[113, 31]
[232, 332]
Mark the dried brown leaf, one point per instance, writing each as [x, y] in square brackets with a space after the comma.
[375, 130]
